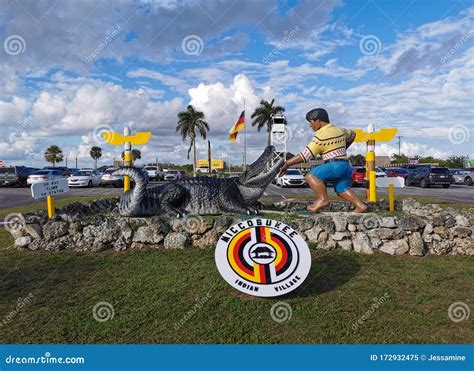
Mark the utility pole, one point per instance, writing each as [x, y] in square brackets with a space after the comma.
[209, 156]
[399, 144]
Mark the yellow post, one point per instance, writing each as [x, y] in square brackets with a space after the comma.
[370, 168]
[391, 198]
[50, 203]
[127, 158]
[372, 186]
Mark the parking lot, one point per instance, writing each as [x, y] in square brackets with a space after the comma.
[11, 196]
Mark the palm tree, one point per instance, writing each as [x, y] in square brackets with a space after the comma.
[96, 153]
[136, 154]
[262, 116]
[188, 122]
[53, 154]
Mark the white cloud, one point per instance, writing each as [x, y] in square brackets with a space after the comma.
[12, 113]
[223, 104]
[426, 47]
[167, 80]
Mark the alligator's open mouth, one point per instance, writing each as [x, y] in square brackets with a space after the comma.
[264, 169]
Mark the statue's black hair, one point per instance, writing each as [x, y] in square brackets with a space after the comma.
[317, 114]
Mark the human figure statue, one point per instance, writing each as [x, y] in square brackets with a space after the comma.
[331, 143]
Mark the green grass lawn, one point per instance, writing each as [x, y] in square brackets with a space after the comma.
[42, 205]
[178, 297]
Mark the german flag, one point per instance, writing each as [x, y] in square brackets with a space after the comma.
[239, 125]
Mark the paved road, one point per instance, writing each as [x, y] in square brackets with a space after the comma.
[11, 197]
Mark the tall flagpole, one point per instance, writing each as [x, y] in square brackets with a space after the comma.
[245, 137]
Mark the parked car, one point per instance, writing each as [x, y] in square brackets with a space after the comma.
[292, 178]
[379, 173]
[154, 172]
[43, 175]
[396, 171]
[114, 180]
[358, 176]
[411, 167]
[172, 175]
[65, 170]
[462, 176]
[15, 175]
[429, 175]
[85, 178]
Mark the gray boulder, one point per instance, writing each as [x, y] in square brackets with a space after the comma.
[362, 244]
[22, 242]
[177, 240]
[395, 247]
[53, 230]
[416, 243]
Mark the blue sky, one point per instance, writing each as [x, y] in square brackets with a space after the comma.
[70, 70]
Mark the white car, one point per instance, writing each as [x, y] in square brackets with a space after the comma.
[43, 175]
[292, 178]
[172, 175]
[85, 178]
[379, 173]
[113, 180]
[154, 172]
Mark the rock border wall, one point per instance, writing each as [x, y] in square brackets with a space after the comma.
[417, 229]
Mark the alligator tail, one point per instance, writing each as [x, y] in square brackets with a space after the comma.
[131, 201]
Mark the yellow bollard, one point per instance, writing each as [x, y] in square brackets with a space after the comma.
[128, 160]
[50, 203]
[126, 183]
[372, 186]
[370, 168]
[391, 198]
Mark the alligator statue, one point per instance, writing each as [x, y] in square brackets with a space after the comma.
[201, 195]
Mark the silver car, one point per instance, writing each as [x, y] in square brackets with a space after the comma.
[292, 178]
[172, 175]
[113, 180]
[462, 176]
[43, 175]
[85, 178]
